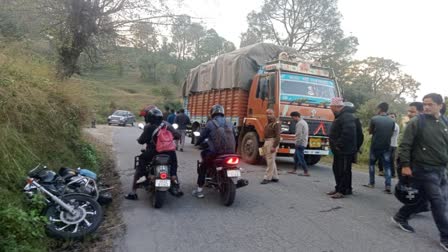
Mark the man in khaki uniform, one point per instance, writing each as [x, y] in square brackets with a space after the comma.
[271, 141]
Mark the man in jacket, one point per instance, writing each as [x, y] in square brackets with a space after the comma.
[381, 127]
[182, 120]
[423, 156]
[343, 144]
[301, 132]
[208, 155]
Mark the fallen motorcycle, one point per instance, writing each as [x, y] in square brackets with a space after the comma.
[71, 215]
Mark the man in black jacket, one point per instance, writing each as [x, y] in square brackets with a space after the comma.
[343, 144]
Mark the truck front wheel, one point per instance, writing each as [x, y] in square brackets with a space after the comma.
[249, 148]
[312, 159]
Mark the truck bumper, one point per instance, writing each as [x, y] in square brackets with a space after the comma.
[286, 151]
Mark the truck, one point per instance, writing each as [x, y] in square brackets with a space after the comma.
[252, 79]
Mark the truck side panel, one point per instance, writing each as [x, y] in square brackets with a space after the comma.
[234, 101]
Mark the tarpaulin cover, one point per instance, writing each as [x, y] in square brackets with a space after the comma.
[232, 70]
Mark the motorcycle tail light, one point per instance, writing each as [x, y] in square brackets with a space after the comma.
[232, 161]
[163, 175]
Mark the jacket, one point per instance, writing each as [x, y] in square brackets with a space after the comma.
[424, 146]
[209, 128]
[343, 133]
[182, 120]
[302, 133]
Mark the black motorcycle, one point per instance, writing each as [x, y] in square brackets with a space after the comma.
[224, 175]
[70, 215]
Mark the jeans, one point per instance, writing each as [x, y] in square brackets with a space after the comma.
[342, 170]
[433, 185]
[393, 150]
[208, 158]
[182, 139]
[385, 157]
[299, 158]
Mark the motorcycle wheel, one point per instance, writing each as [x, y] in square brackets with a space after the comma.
[63, 225]
[158, 198]
[228, 192]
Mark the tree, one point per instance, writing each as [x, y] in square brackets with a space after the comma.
[76, 25]
[212, 45]
[145, 36]
[310, 26]
[377, 78]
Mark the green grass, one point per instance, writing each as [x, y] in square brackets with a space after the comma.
[106, 91]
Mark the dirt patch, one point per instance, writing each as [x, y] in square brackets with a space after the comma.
[113, 226]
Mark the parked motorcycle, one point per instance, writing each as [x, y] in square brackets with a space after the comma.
[158, 180]
[224, 175]
[71, 215]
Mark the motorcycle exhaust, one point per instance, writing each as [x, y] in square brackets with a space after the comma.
[241, 183]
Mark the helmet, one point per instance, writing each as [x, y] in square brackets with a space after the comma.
[154, 116]
[349, 104]
[407, 193]
[216, 110]
[46, 176]
[146, 109]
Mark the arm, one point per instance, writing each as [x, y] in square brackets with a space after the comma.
[407, 142]
[347, 134]
[359, 134]
[205, 132]
[277, 128]
[146, 135]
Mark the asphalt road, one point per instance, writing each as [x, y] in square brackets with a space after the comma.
[292, 215]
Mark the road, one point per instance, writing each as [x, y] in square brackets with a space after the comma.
[292, 215]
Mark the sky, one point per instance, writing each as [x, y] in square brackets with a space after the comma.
[411, 32]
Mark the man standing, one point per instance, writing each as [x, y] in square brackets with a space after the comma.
[415, 108]
[343, 144]
[182, 120]
[424, 157]
[301, 132]
[271, 141]
[393, 148]
[171, 116]
[381, 128]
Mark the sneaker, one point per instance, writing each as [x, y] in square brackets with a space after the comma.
[175, 190]
[369, 186]
[444, 244]
[265, 181]
[131, 196]
[181, 150]
[331, 193]
[403, 224]
[197, 194]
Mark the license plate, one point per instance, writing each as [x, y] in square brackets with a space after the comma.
[233, 173]
[163, 183]
[315, 143]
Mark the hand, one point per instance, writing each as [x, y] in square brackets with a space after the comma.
[273, 149]
[406, 171]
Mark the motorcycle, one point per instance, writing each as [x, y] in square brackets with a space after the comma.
[223, 175]
[70, 215]
[158, 180]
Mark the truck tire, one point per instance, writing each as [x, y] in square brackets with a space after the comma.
[312, 159]
[249, 148]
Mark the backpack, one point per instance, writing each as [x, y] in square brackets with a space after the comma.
[165, 139]
[223, 138]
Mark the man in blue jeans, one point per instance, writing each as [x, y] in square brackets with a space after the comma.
[424, 158]
[381, 127]
[301, 132]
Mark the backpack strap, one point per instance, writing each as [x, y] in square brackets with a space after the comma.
[156, 131]
[215, 123]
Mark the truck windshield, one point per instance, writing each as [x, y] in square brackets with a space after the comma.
[307, 89]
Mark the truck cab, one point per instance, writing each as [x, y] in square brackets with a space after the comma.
[286, 86]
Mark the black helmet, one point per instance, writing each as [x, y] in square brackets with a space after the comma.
[216, 110]
[407, 193]
[46, 176]
[154, 116]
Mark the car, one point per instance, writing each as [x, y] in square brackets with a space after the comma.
[121, 117]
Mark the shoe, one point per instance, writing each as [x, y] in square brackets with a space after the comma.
[275, 180]
[305, 174]
[331, 193]
[293, 172]
[337, 195]
[369, 186]
[131, 196]
[175, 190]
[265, 181]
[444, 244]
[181, 150]
[348, 192]
[381, 173]
[197, 194]
[403, 224]
[387, 190]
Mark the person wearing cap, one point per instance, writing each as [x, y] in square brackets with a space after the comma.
[343, 144]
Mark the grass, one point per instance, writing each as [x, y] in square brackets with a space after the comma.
[106, 91]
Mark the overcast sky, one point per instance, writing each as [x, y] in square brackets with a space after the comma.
[411, 32]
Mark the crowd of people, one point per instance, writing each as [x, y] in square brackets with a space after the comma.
[420, 160]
